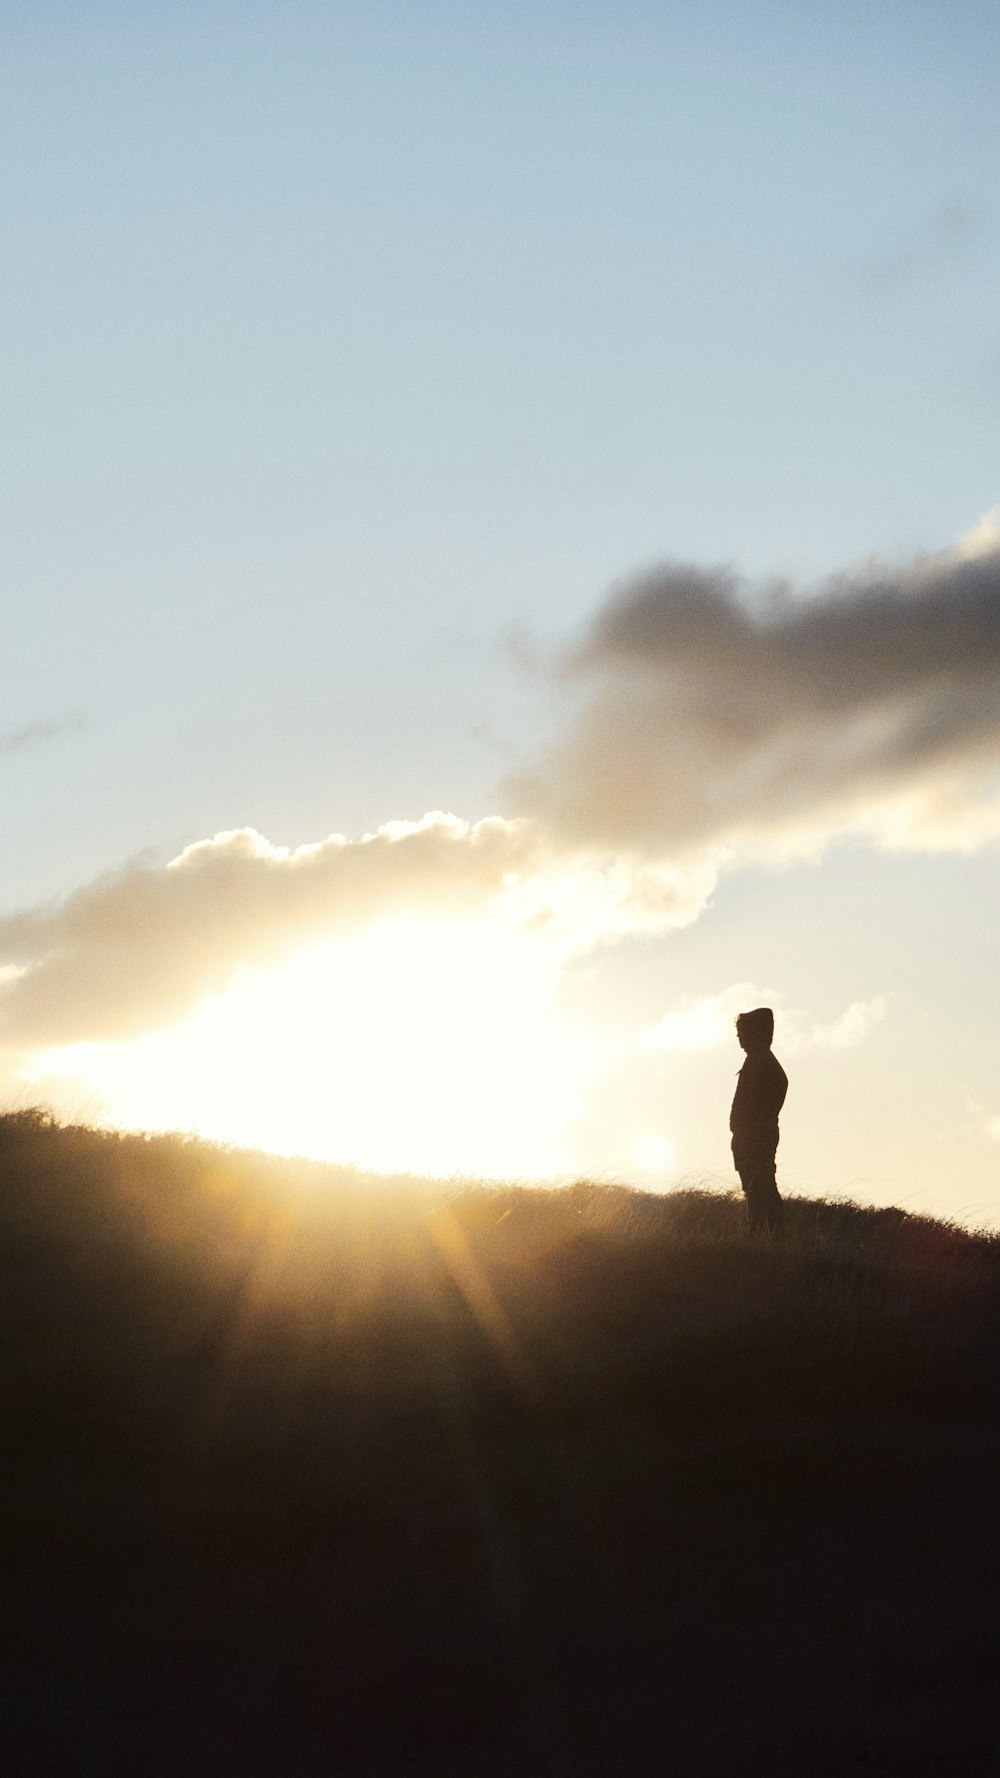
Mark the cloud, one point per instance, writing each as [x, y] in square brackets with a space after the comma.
[704, 1024]
[139, 948]
[136, 948]
[940, 236]
[710, 721]
[708, 1023]
[983, 539]
[711, 715]
[16, 739]
[852, 1027]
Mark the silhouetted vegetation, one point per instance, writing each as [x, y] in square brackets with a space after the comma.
[307, 1473]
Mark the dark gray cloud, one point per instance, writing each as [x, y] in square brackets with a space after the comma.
[35, 732]
[710, 711]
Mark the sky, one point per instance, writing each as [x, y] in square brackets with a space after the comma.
[500, 558]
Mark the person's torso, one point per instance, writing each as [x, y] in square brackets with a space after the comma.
[760, 1094]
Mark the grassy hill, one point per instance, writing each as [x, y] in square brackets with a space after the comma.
[305, 1473]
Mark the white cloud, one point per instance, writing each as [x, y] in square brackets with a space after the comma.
[708, 1023]
[983, 539]
[140, 948]
[703, 1024]
[850, 1029]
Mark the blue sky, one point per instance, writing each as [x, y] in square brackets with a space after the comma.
[343, 342]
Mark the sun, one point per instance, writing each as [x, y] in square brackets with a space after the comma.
[653, 1153]
[426, 1046]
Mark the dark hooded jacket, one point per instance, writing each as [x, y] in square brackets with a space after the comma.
[760, 1094]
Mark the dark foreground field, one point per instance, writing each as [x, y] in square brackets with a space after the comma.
[304, 1478]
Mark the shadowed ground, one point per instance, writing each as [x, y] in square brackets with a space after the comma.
[304, 1473]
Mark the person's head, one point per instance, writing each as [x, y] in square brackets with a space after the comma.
[755, 1030]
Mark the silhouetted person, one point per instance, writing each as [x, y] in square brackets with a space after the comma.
[760, 1094]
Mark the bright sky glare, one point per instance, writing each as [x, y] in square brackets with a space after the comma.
[422, 1046]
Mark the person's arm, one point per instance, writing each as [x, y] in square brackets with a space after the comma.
[741, 1114]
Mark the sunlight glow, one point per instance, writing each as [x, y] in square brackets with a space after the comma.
[654, 1154]
[421, 1046]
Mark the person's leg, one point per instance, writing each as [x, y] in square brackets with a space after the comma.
[775, 1211]
[765, 1210]
[756, 1212]
[749, 1180]
[745, 1178]
[772, 1206]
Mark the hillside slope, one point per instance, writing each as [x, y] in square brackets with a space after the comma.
[305, 1473]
